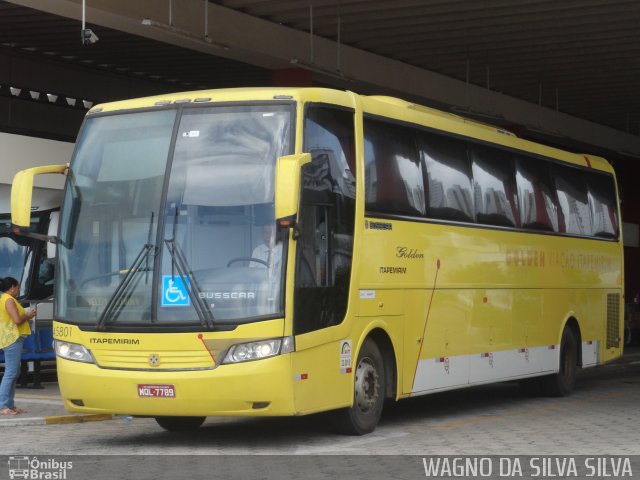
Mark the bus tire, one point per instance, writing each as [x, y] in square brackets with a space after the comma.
[561, 384]
[180, 424]
[368, 393]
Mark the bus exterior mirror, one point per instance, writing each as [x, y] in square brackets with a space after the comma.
[22, 192]
[287, 188]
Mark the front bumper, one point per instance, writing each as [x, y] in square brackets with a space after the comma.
[258, 388]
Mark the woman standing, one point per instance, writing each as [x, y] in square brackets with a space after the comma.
[14, 328]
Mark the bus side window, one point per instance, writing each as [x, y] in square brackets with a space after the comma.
[494, 184]
[325, 221]
[449, 179]
[604, 209]
[536, 196]
[393, 170]
[573, 200]
[313, 247]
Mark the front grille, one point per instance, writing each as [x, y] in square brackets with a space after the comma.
[613, 320]
[162, 360]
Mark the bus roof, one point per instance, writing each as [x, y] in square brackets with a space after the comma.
[391, 107]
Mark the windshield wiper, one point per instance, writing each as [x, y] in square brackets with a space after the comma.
[114, 302]
[188, 280]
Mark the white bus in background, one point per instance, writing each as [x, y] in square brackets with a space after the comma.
[28, 257]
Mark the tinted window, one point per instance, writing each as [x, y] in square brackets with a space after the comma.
[494, 185]
[449, 187]
[536, 196]
[424, 174]
[394, 177]
[573, 200]
[326, 220]
[603, 205]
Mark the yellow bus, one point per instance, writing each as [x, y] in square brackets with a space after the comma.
[285, 251]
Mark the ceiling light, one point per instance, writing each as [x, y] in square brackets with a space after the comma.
[71, 101]
[52, 98]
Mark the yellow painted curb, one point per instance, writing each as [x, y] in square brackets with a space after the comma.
[76, 419]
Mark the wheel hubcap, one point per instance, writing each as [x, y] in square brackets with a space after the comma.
[367, 385]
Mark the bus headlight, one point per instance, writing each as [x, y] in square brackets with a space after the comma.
[73, 351]
[246, 352]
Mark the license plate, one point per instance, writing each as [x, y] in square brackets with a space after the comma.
[161, 391]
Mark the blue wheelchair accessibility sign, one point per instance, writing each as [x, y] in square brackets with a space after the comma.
[174, 292]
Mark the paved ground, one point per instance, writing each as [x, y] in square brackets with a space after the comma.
[601, 417]
[44, 407]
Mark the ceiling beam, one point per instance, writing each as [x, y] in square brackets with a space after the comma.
[239, 36]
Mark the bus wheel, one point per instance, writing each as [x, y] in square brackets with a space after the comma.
[368, 393]
[180, 424]
[562, 383]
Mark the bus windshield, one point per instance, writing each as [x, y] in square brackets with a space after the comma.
[167, 225]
